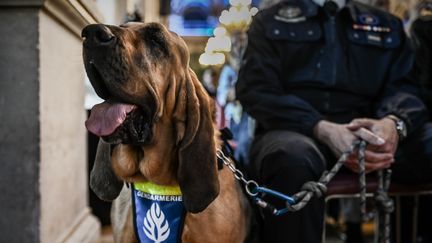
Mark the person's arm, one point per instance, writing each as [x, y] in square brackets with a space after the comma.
[260, 91]
[399, 100]
[400, 94]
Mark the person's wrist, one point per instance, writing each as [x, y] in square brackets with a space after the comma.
[399, 126]
[391, 123]
[320, 130]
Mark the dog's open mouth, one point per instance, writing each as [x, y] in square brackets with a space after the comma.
[106, 117]
[116, 121]
[119, 123]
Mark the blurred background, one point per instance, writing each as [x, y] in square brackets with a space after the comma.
[45, 151]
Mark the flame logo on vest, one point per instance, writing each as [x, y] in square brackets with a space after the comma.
[156, 227]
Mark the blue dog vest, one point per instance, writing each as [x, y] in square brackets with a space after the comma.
[158, 213]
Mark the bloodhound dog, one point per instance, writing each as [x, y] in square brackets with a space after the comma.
[157, 125]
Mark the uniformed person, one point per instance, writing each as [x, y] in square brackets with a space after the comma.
[313, 74]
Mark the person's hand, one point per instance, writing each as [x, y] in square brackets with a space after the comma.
[373, 161]
[384, 128]
[339, 138]
[377, 156]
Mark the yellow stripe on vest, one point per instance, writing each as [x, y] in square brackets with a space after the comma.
[155, 189]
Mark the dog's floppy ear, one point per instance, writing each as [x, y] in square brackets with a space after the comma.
[197, 170]
[103, 181]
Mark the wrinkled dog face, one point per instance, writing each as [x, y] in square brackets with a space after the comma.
[155, 106]
[128, 67]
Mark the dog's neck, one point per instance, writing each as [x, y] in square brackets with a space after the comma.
[134, 164]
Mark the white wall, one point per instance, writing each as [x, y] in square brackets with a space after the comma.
[63, 167]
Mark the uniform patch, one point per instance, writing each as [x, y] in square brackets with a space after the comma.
[371, 28]
[374, 38]
[290, 14]
[368, 19]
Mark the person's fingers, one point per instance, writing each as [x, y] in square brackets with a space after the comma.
[352, 159]
[369, 166]
[360, 122]
[369, 136]
[375, 157]
[380, 159]
[375, 148]
[352, 166]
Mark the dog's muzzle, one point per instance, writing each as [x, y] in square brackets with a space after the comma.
[97, 35]
[116, 120]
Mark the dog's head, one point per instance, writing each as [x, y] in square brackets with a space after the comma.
[156, 113]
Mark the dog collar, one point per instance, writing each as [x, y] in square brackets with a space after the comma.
[156, 189]
[158, 212]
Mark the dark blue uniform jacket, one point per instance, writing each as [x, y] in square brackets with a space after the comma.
[303, 65]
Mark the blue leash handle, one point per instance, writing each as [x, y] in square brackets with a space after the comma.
[276, 194]
[260, 202]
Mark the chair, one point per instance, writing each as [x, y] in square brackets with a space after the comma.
[347, 186]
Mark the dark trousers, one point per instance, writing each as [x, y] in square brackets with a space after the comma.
[284, 161]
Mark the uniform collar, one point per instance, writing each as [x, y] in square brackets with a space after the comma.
[356, 10]
[340, 3]
[308, 7]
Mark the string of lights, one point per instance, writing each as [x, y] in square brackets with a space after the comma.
[236, 18]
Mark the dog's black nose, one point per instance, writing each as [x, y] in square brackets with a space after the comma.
[97, 34]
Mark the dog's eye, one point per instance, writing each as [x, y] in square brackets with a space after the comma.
[155, 40]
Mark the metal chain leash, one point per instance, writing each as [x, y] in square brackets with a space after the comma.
[384, 204]
[248, 184]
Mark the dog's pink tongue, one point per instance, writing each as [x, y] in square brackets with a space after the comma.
[106, 117]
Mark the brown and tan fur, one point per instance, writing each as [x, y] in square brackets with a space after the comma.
[182, 149]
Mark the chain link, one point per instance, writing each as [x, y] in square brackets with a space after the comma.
[248, 184]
